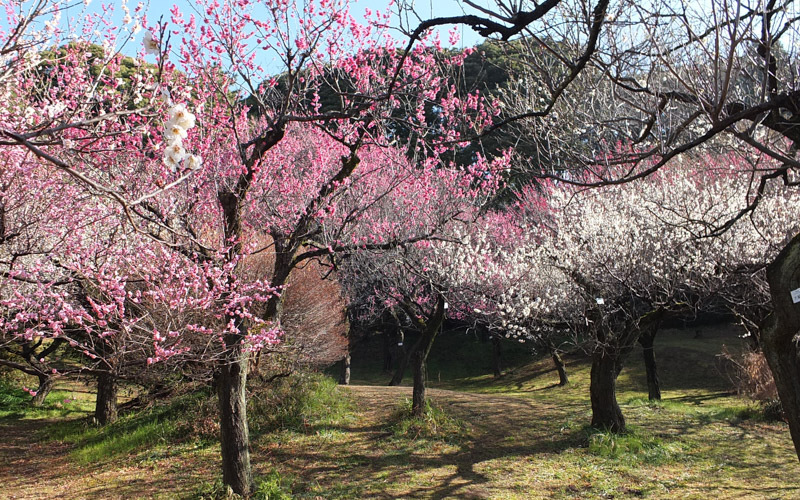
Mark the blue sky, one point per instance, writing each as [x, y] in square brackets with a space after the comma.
[425, 9]
[114, 12]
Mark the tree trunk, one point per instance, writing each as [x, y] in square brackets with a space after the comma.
[607, 359]
[496, 356]
[606, 413]
[405, 357]
[653, 385]
[344, 377]
[282, 268]
[45, 386]
[388, 349]
[562, 372]
[402, 354]
[421, 351]
[779, 332]
[233, 366]
[231, 381]
[105, 409]
[418, 394]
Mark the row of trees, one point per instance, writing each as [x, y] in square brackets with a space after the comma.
[616, 91]
[152, 215]
[595, 269]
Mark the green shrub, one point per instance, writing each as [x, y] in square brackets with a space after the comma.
[16, 403]
[303, 402]
[434, 424]
[13, 400]
[162, 422]
[273, 486]
[633, 446]
[772, 410]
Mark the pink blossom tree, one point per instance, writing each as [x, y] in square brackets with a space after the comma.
[206, 160]
[420, 278]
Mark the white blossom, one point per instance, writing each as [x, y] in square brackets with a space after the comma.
[174, 134]
[180, 116]
[151, 44]
[176, 152]
[194, 162]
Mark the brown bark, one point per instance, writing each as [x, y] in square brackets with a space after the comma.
[344, 377]
[563, 379]
[611, 351]
[231, 376]
[497, 367]
[779, 332]
[388, 349]
[418, 393]
[405, 358]
[45, 386]
[606, 413]
[105, 409]
[234, 438]
[653, 384]
[423, 348]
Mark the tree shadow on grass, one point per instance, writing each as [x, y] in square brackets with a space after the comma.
[370, 469]
[372, 461]
[372, 455]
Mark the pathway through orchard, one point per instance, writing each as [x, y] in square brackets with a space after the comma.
[531, 445]
[31, 469]
[27, 465]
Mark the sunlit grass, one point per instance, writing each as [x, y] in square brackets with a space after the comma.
[519, 437]
[15, 403]
[435, 424]
[160, 425]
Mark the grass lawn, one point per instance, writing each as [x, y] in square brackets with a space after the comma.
[519, 436]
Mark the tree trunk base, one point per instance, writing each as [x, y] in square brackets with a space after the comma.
[606, 413]
[105, 409]
[780, 330]
[234, 438]
[418, 394]
[344, 377]
[45, 386]
[646, 340]
[497, 354]
[563, 379]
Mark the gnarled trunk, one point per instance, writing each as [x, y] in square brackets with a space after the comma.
[231, 381]
[780, 330]
[105, 408]
[344, 377]
[421, 351]
[653, 385]
[418, 393]
[611, 351]
[388, 350]
[562, 371]
[405, 358]
[606, 413]
[232, 368]
[45, 386]
[497, 353]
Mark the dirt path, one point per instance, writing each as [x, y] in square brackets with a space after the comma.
[30, 469]
[26, 462]
[380, 465]
[518, 447]
[485, 410]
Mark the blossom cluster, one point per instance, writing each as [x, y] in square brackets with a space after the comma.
[180, 121]
[562, 254]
